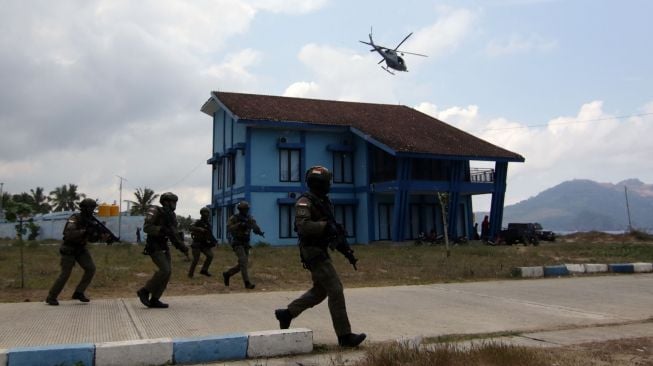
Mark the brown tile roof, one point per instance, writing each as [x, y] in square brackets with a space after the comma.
[401, 128]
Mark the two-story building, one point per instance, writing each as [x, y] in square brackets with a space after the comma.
[388, 163]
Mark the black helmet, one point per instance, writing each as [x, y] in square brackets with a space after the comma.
[243, 205]
[204, 210]
[168, 196]
[88, 203]
[318, 179]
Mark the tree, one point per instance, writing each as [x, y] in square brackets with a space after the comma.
[65, 198]
[40, 201]
[144, 200]
[184, 223]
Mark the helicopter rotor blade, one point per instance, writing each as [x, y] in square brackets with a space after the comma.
[412, 53]
[380, 61]
[404, 40]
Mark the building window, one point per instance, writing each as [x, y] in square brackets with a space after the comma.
[220, 222]
[384, 168]
[343, 167]
[230, 174]
[287, 222]
[385, 221]
[289, 165]
[220, 174]
[345, 215]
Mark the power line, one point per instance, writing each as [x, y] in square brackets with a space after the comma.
[568, 122]
[185, 176]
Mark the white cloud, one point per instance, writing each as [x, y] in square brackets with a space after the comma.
[519, 44]
[302, 89]
[443, 36]
[289, 6]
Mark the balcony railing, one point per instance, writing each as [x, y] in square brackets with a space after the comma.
[481, 175]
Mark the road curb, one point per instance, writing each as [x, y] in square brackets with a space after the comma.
[234, 346]
[562, 270]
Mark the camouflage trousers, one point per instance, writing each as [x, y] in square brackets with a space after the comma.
[242, 253]
[159, 281]
[207, 251]
[326, 283]
[69, 256]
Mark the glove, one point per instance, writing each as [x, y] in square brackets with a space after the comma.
[352, 259]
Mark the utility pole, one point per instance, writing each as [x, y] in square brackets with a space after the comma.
[630, 226]
[2, 211]
[120, 204]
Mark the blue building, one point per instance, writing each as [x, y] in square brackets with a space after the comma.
[388, 163]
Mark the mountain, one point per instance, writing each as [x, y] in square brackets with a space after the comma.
[584, 205]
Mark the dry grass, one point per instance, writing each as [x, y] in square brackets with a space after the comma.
[122, 269]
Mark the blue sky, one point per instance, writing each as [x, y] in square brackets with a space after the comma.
[121, 82]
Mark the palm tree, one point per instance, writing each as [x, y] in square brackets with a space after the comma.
[40, 204]
[144, 198]
[65, 198]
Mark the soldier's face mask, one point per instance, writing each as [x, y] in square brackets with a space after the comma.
[87, 211]
[204, 215]
[243, 211]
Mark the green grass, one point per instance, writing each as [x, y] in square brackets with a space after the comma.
[122, 269]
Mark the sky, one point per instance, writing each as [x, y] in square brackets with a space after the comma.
[94, 90]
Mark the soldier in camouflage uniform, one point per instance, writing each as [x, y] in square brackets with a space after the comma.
[80, 229]
[203, 242]
[316, 228]
[239, 227]
[161, 227]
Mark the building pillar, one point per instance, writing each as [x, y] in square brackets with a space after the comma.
[457, 175]
[498, 197]
[401, 206]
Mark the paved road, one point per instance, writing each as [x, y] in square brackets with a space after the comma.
[384, 313]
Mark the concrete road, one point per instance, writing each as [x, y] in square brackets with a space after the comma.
[384, 313]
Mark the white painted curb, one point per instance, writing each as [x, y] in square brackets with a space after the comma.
[137, 352]
[642, 267]
[575, 268]
[272, 343]
[529, 272]
[595, 268]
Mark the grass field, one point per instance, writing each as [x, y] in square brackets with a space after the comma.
[122, 269]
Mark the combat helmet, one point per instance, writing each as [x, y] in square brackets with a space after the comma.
[88, 204]
[243, 206]
[168, 196]
[318, 179]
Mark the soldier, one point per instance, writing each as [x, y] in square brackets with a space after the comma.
[161, 227]
[80, 229]
[239, 227]
[203, 242]
[317, 230]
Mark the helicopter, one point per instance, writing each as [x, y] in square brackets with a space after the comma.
[391, 56]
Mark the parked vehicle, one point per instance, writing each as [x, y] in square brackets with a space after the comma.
[524, 233]
[545, 235]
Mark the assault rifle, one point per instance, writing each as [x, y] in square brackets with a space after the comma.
[338, 241]
[101, 229]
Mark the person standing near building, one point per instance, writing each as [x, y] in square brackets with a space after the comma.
[317, 231]
[160, 226]
[485, 228]
[240, 226]
[203, 242]
[80, 229]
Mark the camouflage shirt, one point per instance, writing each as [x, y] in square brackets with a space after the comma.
[311, 221]
[76, 232]
[202, 234]
[240, 227]
[159, 224]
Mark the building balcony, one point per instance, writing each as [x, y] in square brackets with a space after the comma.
[481, 175]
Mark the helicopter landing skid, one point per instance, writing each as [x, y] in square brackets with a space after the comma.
[388, 70]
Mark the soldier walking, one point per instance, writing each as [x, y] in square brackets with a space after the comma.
[161, 227]
[203, 243]
[80, 229]
[239, 227]
[317, 231]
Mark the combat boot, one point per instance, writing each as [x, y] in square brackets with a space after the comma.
[80, 296]
[284, 317]
[249, 285]
[351, 340]
[225, 278]
[156, 303]
[144, 296]
[206, 273]
[51, 301]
